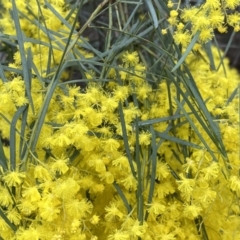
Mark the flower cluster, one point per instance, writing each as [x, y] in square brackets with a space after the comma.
[92, 171]
[203, 19]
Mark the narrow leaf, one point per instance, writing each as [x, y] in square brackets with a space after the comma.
[4, 217]
[152, 12]
[13, 137]
[125, 139]
[25, 67]
[121, 194]
[3, 159]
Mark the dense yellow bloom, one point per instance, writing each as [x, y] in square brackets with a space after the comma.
[183, 38]
[75, 196]
[95, 219]
[119, 235]
[162, 171]
[156, 208]
[5, 197]
[66, 188]
[206, 35]
[108, 177]
[186, 184]
[3, 225]
[234, 183]
[231, 4]
[143, 91]
[41, 173]
[130, 58]
[233, 19]
[27, 207]
[136, 229]
[30, 233]
[113, 213]
[121, 93]
[13, 179]
[14, 216]
[192, 211]
[216, 18]
[145, 138]
[78, 209]
[211, 172]
[188, 13]
[60, 165]
[130, 182]
[212, 4]
[190, 165]
[31, 194]
[47, 211]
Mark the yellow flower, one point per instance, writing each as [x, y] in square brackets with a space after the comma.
[110, 145]
[200, 22]
[29, 233]
[181, 37]
[207, 196]
[162, 171]
[206, 35]
[42, 174]
[130, 58]
[192, 211]
[145, 138]
[191, 165]
[14, 216]
[234, 183]
[211, 172]
[231, 4]
[31, 194]
[5, 197]
[16, 85]
[112, 73]
[222, 29]
[108, 177]
[170, 4]
[66, 188]
[216, 18]
[233, 19]
[3, 225]
[26, 207]
[212, 4]
[60, 165]
[121, 162]
[90, 74]
[14, 179]
[156, 208]
[188, 13]
[21, 101]
[95, 219]
[48, 211]
[121, 93]
[119, 235]
[123, 74]
[173, 13]
[112, 212]
[61, 140]
[137, 229]
[186, 184]
[78, 209]
[164, 31]
[143, 91]
[130, 182]
[75, 225]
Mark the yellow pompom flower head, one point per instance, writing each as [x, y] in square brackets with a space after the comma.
[130, 58]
